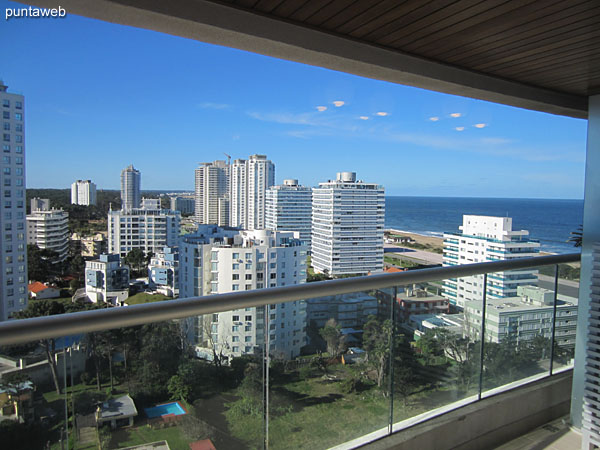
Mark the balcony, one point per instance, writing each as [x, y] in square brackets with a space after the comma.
[372, 386]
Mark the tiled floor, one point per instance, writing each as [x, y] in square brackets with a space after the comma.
[555, 435]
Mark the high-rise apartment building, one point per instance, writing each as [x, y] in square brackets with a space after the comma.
[13, 248]
[149, 229]
[83, 192]
[212, 193]
[261, 176]
[347, 226]
[250, 180]
[50, 230]
[482, 239]
[184, 203]
[288, 207]
[218, 260]
[40, 204]
[238, 194]
[131, 181]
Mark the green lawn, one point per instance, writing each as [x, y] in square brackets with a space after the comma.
[126, 437]
[144, 297]
[399, 261]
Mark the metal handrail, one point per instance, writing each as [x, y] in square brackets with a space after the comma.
[26, 330]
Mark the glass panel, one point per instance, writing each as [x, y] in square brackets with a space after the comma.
[566, 316]
[518, 327]
[339, 388]
[174, 381]
[438, 362]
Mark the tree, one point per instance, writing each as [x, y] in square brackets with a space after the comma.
[38, 308]
[178, 388]
[135, 259]
[377, 342]
[39, 263]
[577, 236]
[430, 346]
[332, 334]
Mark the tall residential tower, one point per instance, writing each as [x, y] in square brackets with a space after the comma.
[131, 180]
[212, 193]
[13, 248]
[249, 182]
[83, 192]
[347, 226]
[289, 208]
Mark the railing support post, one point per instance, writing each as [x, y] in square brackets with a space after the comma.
[392, 355]
[482, 335]
[553, 319]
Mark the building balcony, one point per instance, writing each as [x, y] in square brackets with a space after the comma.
[412, 392]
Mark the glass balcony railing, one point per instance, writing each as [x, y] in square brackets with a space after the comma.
[311, 366]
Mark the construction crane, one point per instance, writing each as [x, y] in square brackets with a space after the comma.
[228, 158]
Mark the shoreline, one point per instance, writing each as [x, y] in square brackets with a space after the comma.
[435, 240]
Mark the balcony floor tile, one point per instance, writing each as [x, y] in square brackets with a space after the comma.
[556, 435]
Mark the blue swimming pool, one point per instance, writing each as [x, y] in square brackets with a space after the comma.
[162, 410]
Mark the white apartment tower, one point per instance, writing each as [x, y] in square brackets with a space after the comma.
[131, 180]
[483, 239]
[49, 229]
[148, 228]
[219, 260]
[237, 193]
[288, 207]
[249, 181]
[212, 193]
[347, 226]
[83, 192]
[13, 247]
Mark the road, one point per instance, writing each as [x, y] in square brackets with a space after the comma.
[418, 256]
[565, 287]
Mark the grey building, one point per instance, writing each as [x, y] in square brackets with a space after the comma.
[13, 247]
[131, 181]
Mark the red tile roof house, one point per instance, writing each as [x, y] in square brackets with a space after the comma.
[40, 290]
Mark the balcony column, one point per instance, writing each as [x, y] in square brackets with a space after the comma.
[591, 227]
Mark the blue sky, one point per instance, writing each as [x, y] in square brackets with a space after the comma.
[101, 96]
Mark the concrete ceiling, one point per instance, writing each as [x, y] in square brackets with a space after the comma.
[536, 54]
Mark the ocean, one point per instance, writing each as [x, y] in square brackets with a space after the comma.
[551, 221]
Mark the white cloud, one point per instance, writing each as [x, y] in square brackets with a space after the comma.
[382, 113]
[455, 115]
[338, 103]
[210, 105]
[460, 128]
[321, 108]
[434, 118]
[364, 117]
[480, 125]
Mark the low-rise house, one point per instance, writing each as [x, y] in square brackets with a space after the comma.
[415, 302]
[118, 412]
[419, 324]
[348, 310]
[90, 246]
[40, 291]
[16, 401]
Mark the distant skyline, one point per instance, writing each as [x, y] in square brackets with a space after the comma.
[101, 96]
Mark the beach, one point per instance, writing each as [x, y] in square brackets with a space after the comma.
[419, 238]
